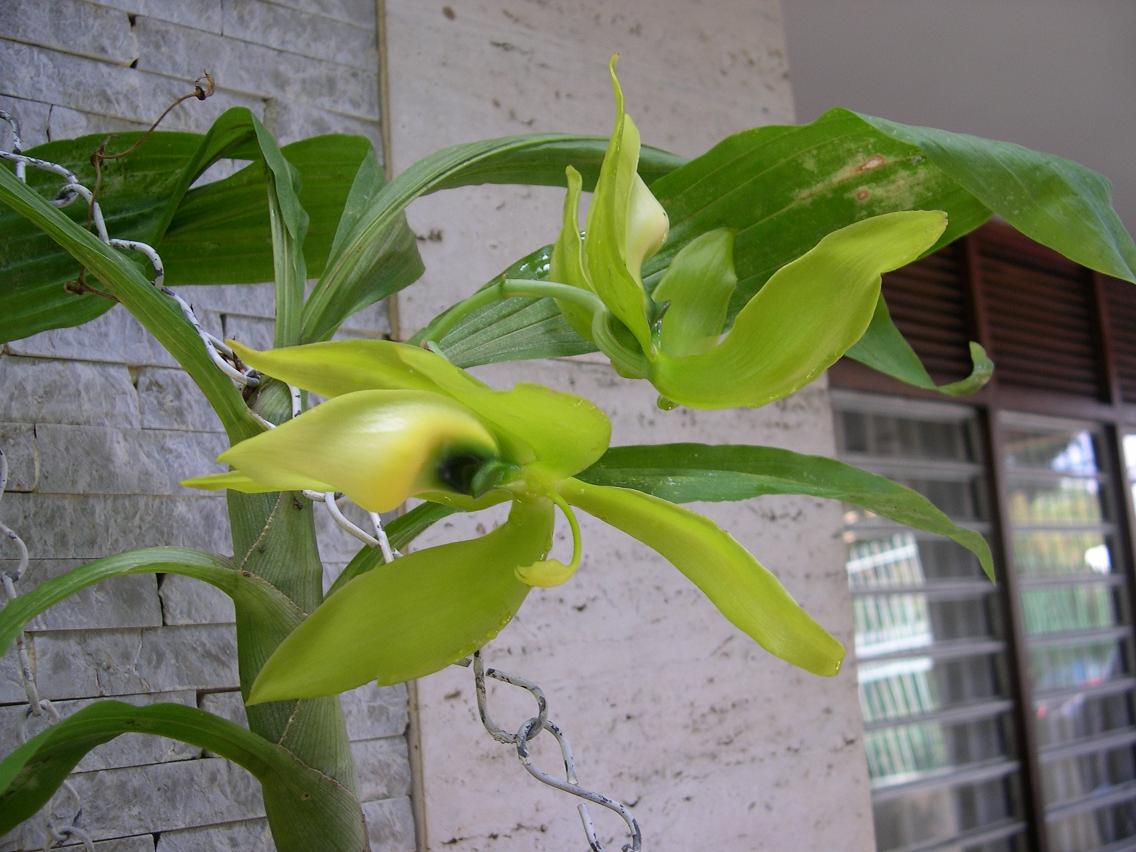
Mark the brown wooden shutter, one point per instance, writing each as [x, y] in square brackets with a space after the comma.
[1041, 317]
[928, 303]
[1120, 305]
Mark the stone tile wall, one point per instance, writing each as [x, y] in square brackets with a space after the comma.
[99, 424]
[717, 744]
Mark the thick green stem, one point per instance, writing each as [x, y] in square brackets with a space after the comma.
[274, 539]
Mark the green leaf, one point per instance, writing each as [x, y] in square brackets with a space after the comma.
[1053, 201]
[308, 809]
[247, 591]
[803, 319]
[220, 231]
[412, 616]
[134, 196]
[884, 348]
[288, 223]
[216, 233]
[155, 311]
[687, 473]
[513, 329]
[535, 160]
[743, 590]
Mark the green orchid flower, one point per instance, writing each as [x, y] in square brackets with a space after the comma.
[403, 422]
[800, 323]
[804, 318]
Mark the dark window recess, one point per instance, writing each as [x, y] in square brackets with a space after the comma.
[1120, 307]
[1001, 717]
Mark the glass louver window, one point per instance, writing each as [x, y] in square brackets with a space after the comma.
[1063, 508]
[930, 644]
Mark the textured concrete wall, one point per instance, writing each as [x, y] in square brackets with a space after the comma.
[718, 745]
[99, 424]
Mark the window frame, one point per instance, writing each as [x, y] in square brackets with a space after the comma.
[994, 406]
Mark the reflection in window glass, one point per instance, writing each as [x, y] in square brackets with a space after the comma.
[1081, 715]
[882, 435]
[887, 623]
[1130, 455]
[1072, 451]
[895, 689]
[1097, 828]
[881, 560]
[927, 647]
[1047, 554]
[930, 813]
[1096, 773]
[906, 753]
[1077, 663]
[1065, 608]
[1064, 501]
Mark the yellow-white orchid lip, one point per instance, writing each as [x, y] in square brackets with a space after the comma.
[647, 225]
[378, 447]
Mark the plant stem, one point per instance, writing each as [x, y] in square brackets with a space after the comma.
[274, 539]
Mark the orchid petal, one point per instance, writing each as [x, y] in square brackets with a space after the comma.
[342, 366]
[567, 261]
[563, 432]
[647, 224]
[625, 225]
[566, 433]
[745, 592]
[233, 480]
[412, 616]
[805, 317]
[697, 285]
[377, 447]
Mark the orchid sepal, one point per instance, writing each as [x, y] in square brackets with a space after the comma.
[412, 616]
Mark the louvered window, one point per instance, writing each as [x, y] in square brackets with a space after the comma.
[1001, 718]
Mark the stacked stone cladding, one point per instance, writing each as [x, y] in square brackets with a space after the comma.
[99, 424]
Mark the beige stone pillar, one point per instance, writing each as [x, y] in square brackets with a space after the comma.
[717, 744]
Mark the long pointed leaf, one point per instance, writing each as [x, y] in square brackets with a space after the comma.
[216, 233]
[686, 473]
[1053, 201]
[309, 810]
[247, 591]
[884, 348]
[157, 313]
[537, 160]
[220, 231]
[134, 195]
